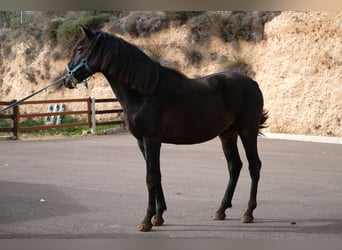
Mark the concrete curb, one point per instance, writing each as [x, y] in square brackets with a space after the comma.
[308, 138]
[292, 137]
[112, 131]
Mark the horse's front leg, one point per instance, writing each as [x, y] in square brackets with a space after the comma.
[156, 202]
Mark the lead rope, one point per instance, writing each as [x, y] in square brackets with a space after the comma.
[33, 94]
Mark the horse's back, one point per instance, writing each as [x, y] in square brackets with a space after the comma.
[236, 85]
[236, 79]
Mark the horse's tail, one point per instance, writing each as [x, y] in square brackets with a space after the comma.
[263, 119]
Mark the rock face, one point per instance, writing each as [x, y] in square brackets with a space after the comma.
[298, 67]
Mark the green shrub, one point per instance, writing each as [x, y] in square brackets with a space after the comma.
[246, 25]
[30, 54]
[56, 55]
[8, 53]
[237, 64]
[50, 33]
[130, 24]
[181, 17]
[143, 23]
[199, 28]
[30, 75]
[69, 31]
[193, 56]
[95, 22]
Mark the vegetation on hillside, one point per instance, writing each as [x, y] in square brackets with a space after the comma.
[60, 30]
[62, 27]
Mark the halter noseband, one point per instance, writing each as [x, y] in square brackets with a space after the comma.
[83, 63]
[71, 72]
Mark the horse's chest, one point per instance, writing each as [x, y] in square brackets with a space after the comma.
[142, 121]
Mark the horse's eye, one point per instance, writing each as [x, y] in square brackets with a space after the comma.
[79, 48]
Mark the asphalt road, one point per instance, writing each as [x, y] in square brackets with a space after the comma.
[94, 187]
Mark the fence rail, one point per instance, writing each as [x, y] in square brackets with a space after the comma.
[90, 112]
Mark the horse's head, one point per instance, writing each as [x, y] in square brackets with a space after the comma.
[81, 65]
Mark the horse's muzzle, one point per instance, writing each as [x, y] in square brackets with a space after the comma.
[69, 82]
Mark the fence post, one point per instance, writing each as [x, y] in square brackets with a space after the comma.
[89, 112]
[93, 118]
[15, 119]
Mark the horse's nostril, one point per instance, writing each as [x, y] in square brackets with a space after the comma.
[68, 82]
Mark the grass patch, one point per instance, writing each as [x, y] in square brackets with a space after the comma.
[72, 131]
[4, 123]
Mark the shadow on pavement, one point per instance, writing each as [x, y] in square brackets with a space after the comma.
[26, 202]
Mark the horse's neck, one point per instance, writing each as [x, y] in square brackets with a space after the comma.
[123, 93]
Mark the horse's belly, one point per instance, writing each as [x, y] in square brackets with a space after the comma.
[191, 131]
[187, 139]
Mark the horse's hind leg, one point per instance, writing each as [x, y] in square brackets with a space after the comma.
[229, 145]
[249, 140]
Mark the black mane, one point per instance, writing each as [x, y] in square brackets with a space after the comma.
[132, 66]
[174, 72]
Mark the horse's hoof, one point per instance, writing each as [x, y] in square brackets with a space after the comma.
[157, 221]
[247, 218]
[219, 216]
[145, 227]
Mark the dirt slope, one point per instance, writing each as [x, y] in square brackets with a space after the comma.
[298, 67]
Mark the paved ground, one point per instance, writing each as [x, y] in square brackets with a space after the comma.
[93, 187]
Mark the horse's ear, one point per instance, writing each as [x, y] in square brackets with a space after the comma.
[89, 33]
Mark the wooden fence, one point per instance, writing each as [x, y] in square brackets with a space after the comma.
[90, 112]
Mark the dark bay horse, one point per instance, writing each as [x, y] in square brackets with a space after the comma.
[164, 106]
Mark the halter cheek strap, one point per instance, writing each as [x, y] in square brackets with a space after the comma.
[84, 63]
